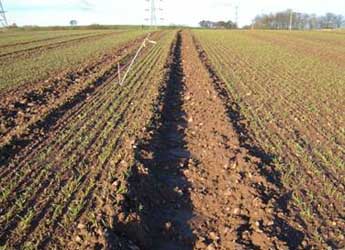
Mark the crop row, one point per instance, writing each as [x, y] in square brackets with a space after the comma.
[327, 38]
[55, 185]
[307, 44]
[293, 105]
[58, 59]
[16, 38]
[13, 52]
[39, 100]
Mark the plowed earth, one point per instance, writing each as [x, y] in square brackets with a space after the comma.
[21, 109]
[197, 184]
[163, 163]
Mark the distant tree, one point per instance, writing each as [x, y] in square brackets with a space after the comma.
[218, 25]
[206, 24]
[313, 22]
[339, 21]
[300, 21]
[73, 23]
[13, 26]
[247, 27]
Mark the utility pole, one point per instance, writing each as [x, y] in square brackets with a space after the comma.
[153, 13]
[3, 19]
[236, 7]
[290, 25]
[236, 14]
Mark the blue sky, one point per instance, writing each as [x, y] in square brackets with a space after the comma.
[188, 12]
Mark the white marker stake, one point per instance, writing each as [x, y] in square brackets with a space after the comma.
[119, 71]
[143, 45]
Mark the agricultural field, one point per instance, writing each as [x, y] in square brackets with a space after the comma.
[289, 88]
[216, 139]
[33, 60]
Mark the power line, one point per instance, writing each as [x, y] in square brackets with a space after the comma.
[3, 19]
[290, 23]
[153, 10]
[236, 14]
[236, 10]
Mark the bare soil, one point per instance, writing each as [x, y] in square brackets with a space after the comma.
[193, 178]
[28, 108]
[131, 106]
[197, 183]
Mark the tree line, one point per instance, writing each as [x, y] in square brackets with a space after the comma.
[218, 25]
[283, 20]
[298, 21]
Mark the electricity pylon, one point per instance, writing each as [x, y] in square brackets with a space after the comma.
[153, 12]
[236, 14]
[290, 23]
[3, 19]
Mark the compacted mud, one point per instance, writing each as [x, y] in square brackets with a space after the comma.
[196, 183]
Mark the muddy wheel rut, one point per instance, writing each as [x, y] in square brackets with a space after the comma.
[197, 183]
[158, 190]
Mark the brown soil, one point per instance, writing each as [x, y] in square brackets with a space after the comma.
[30, 107]
[197, 183]
[194, 179]
[133, 112]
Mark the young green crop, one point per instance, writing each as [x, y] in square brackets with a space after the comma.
[43, 65]
[289, 86]
[75, 162]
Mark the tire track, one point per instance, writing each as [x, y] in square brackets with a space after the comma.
[197, 183]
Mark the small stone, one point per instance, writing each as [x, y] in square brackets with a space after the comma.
[116, 184]
[168, 226]
[214, 236]
[269, 210]
[121, 217]
[120, 198]
[236, 211]
[78, 239]
[270, 223]
[245, 235]
[304, 243]
[133, 247]
[81, 226]
[210, 247]
[100, 232]
[226, 230]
